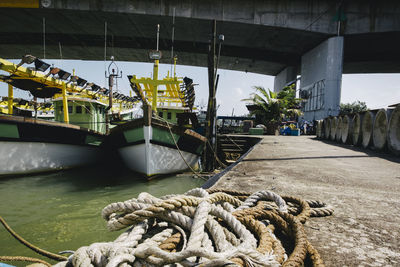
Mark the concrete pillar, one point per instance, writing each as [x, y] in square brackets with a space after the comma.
[287, 75]
[321, 79]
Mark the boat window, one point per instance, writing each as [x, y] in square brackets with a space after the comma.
[160, 114]
[70, 108]
[169, 115]
[78, 109]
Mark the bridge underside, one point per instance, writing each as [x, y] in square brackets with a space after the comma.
[247, 47]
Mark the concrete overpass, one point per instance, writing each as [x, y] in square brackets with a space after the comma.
[260, 36]
[282, 38]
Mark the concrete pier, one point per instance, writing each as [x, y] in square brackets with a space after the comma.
[362, 186]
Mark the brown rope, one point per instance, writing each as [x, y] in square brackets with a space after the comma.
[303, 206]
[321, 212]
[31, 246]
[21, 258]
[170, 244]
[289, 224]
[316, 204]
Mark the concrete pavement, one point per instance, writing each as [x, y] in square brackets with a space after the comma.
[361, 185]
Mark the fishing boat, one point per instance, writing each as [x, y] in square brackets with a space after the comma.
[162, 142]
[74, 138]
[23, 107]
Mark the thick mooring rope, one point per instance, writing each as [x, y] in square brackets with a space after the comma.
[205, 228]
[24, 259]
[38, 250]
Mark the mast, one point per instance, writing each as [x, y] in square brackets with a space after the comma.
[65, 102]
[112, 75]
[209, 155]
[155, 73]
[10, 99]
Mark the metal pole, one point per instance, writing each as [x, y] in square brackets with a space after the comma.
[172, 39]
[59, 47]
[158, 35]
[155, 87]
[155, 75]
[209, 155]
[105, 49]
[110, 102]
[44, 38]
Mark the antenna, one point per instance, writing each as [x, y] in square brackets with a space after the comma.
[61, 57]
[158, 35]
[44, 38]
[105, 50]
[172, 38]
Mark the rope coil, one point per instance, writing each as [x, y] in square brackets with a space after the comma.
[211, 227]
[205, 228]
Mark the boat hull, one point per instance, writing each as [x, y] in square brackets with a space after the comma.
[18, 158]
[151, 150]
[158, 159]
[32, 146]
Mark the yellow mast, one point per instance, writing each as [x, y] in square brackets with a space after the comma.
[175, 59]
[65, 102]
[10, 99]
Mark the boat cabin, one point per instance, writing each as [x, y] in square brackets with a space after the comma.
[85, 112]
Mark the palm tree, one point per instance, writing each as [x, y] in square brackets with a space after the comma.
[264, 104]
[271, 108]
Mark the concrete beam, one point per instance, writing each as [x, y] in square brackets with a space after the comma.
[317, 16]
[260, 36]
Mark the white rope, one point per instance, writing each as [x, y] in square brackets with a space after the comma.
[264, 195]
[197, 215]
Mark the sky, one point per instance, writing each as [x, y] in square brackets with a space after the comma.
[377, 90]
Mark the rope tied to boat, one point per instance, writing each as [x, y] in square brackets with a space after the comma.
[204, 228]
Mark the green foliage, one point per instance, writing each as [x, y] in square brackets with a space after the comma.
[271, 107]
[350, 108]
[289, 103]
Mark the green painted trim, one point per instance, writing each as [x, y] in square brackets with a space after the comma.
[9, 130]
[164, 136]
[93, 140]
[134, 135]
[199, 150]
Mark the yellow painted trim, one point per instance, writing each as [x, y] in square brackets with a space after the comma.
[172, 93]
[25, 73]
[165, 81]
[20, 3]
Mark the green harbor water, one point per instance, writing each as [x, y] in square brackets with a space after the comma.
[62, 211]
